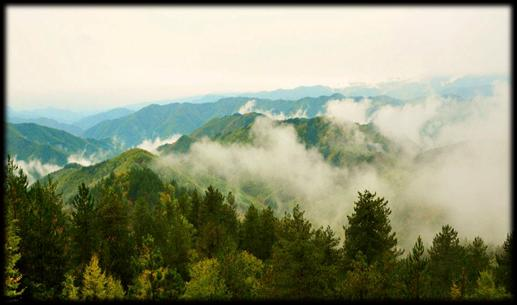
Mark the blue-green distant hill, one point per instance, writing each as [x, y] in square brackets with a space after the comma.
[183, 118]
[29, 141]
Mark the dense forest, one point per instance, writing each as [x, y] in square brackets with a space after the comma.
[136, 237]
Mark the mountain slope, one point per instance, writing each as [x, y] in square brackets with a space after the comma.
[70, 128]
[71, 176]
[338, 144]
[31, 141]
[166, 120]
[92, 120]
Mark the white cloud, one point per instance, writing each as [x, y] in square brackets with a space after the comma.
[35, 169]
[152, 145]
[250, 106]
[466, 185]
[348, 110]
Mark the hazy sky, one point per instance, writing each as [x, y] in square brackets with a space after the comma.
[77, 57]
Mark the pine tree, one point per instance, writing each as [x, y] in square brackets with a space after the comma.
[369, 229]
[94, 281]
[362, 281]
[43, 241]
[70, 291]
[249, 233]
[476, 261]
[504, 276]
[206, 282]
[12, 255]
[114, 289]
[84, 233]
[486, 288]
[116, 245]
[416, 277]
[173, 233]
[445, 262]
[266, 233]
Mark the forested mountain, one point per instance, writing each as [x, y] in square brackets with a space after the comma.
[70, 128]
[165, 120]
[132, 236]
[68, 178]
[338, 144]
[29, 141]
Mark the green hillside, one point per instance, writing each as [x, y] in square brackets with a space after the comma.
[340, 145]
[31, 141]
[71, 176]
[165, 120]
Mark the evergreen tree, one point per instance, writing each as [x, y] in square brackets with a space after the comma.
[70, 290]
[84, 232]
[113, 222]
[218, 224]
[362, 281]
[154, 280]
[476, 261]
[369, 229]
[298, 260]
[206, 282]
[43, 241]
[486, 288]
[249, 233]
[266, 234]
[94, 281]
[241, 272]
[445, 262]
[12, 255]
[504, 276]
[173, 233]
[416, 277]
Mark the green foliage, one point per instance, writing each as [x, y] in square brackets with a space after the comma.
[486, 288]
[43, 240]
[476, 261]
[154, 280]
[153, 238]
[298, 259]
[70, 290]
[369, 229]
[206, 282]
[504, 276]
[218, 224]
[363, 281]
[12, 255]
[173, 233]
[113, 222]
[445, 262]
[84, 233]
[242, 272]
[416, 274]
[96, 285]
[69, 178]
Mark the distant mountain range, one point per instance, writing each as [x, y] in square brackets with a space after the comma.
[335, 143]
[29, 141]
[182, 118]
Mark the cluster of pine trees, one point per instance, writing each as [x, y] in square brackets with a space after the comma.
[135, 237]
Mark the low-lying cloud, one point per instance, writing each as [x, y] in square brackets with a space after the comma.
[250, 106]
[459, 174]
[152, 145]
[35, 169]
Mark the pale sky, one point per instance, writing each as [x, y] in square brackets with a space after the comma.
[101, 56]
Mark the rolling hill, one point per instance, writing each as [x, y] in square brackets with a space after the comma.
[183, 118]
[31, 141]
